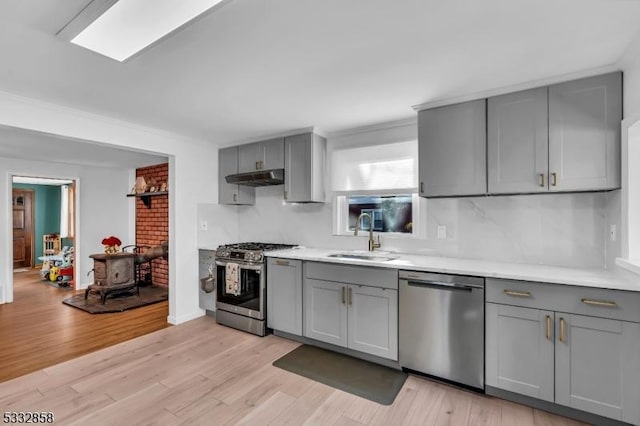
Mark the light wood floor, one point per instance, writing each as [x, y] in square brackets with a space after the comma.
[200, 373]
[38, 331]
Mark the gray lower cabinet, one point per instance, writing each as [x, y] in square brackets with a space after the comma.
[304, 168]
[520, 350]
[284, 295]
[231, 193]
[452, 150]
[597, 366]
[574, 346]
[584, 133]
[373, 320]
[354, 316]
[325, 311]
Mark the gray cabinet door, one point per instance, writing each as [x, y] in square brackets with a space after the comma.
[249, 157]
[598, 366]
[325, 311]
[272, 154]
[452, 150]
[584, 133]
[518, 142]
[263, 155]
[304, 168]
[231, 193]
[373, 320]
[520, 350]
[284, 295]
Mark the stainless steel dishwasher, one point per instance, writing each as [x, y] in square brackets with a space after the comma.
[442, 326]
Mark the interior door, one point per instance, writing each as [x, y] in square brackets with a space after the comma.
[22, 201]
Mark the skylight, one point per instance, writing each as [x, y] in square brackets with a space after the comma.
[131, 25]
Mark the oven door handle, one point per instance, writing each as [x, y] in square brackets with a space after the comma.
[242, 265]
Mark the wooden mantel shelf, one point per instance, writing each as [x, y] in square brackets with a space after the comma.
[146, 196]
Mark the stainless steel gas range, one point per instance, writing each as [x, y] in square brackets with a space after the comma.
[241, 292]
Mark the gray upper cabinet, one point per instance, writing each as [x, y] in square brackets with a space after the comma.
[284, 295]
[584, 133]
[452, 150]
[518, 142]
[304, 168]
[232, 193]
[263, 155]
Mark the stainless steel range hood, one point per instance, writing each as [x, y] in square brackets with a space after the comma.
[258, 178]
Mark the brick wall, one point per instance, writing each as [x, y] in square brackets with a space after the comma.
[152, 224]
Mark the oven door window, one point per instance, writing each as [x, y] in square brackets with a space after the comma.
[249, 282]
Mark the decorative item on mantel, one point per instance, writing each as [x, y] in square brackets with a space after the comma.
[111, 244]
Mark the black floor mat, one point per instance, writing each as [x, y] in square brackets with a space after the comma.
[362, 378]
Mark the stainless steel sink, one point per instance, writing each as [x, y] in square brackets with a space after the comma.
[355, 256]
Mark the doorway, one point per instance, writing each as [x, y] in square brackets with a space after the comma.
[43, 212]
[22, 203]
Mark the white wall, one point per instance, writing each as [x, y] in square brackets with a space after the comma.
[555, 229]
[101, 199]
[192, 171]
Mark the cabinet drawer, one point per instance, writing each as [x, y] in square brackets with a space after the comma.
[371, 276]
[596, 302]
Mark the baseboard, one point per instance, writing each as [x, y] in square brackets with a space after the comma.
[184, 318]
[346, 351]
[561, 410]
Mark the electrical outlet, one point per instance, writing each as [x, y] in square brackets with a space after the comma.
[612, 233]
[442, 232]
[204, 225]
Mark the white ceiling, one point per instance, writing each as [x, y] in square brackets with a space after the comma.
[260, 67]
[28, 145]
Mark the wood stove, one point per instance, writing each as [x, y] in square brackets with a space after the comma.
[113, 273]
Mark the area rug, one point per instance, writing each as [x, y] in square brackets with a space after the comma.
[118, 303]
[362, 378]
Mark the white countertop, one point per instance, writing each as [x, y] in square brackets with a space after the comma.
[598, 278]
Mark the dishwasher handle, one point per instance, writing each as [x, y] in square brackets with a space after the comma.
[443, 285]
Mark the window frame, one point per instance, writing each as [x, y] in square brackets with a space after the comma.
[341, 211]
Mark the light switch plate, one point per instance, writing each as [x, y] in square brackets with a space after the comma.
[612, 233]
[204, 225]
[442, 232]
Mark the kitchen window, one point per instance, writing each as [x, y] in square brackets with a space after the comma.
[380, 180]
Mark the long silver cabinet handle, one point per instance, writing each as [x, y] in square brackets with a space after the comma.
[517, 293]
[606, 303]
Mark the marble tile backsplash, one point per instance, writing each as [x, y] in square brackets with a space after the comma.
[554, 229]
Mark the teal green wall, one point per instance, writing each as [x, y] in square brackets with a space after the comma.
[46, 212]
